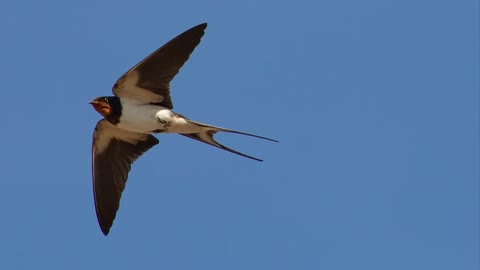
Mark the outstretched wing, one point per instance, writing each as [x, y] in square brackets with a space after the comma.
[149, 80]
[113, 152]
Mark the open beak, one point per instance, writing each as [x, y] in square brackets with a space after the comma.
[101, 107]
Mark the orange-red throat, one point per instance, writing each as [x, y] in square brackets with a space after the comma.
[101, 106]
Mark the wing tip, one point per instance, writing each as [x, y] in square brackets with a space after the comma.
[105, 230]
[200, 28]
[202, 25]
[105, 226]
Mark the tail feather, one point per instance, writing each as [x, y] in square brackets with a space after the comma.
[206, 136]
[248, 134]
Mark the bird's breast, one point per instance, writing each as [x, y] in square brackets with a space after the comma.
[147, 118]
[142, 117]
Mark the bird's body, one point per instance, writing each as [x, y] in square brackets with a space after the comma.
[150, 118]
[142, 106]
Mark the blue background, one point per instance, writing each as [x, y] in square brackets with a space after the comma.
[375, 104]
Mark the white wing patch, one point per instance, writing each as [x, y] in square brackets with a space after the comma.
[127, 87]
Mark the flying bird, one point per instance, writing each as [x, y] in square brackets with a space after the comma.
[142, 106]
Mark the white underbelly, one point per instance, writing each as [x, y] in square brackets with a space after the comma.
[146, 118]
[140, 117]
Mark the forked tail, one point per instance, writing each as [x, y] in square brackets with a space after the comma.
[206, 136]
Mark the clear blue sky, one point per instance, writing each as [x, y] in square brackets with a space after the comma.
[375, 104]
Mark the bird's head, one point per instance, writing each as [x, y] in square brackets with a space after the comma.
[102, 105]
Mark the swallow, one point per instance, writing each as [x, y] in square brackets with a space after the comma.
[142, 106]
